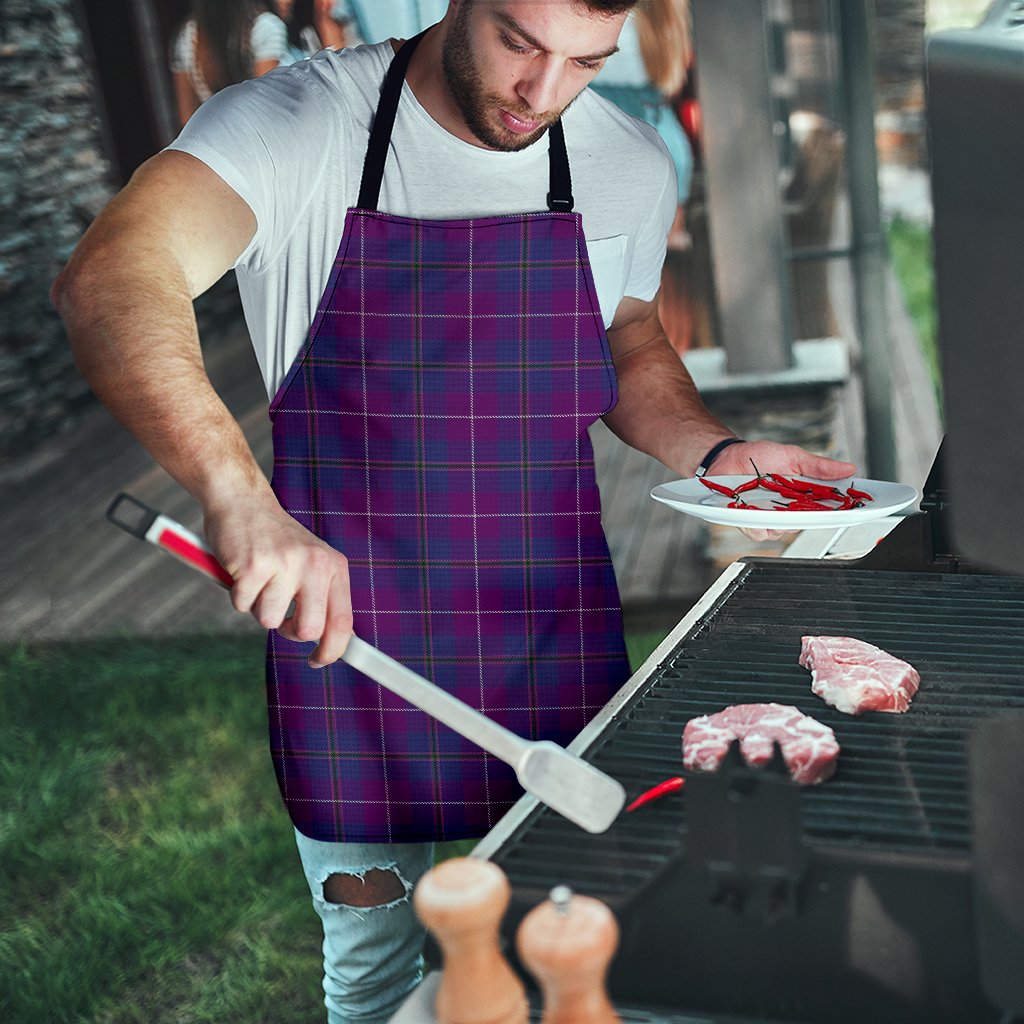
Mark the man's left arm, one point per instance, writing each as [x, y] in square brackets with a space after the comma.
[660, 411]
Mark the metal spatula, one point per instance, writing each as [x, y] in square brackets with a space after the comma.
[567, 784]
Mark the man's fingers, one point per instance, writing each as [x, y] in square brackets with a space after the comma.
[271, 606]
[819, 468]
[247, 588]
[306, 622]
[763, 535]
[337, 625]
[285, 577]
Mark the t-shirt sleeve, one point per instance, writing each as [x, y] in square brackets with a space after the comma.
[269, 140]
[652, 235]
[269, 38]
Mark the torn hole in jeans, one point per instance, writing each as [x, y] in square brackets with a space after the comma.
[361, 891]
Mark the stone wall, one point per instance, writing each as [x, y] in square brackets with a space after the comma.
[54, 178]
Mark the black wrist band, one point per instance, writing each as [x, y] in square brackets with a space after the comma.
[705, 463]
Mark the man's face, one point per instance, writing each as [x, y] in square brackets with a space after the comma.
[513, 66]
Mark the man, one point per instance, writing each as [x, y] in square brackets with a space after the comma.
[433, 479]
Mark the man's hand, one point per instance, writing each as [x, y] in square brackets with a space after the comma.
[771, 457]
[275, 561]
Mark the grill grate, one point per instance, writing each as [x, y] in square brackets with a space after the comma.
[901, 786]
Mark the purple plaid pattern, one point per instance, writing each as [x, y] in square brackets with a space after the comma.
[434, 429]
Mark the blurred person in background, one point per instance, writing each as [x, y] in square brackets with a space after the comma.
[221, 43]
[373, 21]
[314, 25]
[646, 80]
[648, 73]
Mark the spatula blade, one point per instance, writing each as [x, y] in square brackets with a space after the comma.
[574, 788]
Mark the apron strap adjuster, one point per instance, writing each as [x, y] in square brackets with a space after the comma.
[559, 205]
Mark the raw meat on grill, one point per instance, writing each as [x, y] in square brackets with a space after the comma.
[855, 677]
[809, 748]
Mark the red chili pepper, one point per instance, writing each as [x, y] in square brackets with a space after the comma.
[807, 505]
[787, 492]
[863, 495]
[773, 485]
[749, 485]
[824, 490]
[793, 485]
[729, 493]
[656, 793]
[809, 487]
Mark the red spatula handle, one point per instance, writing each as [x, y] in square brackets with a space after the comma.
[147, 524]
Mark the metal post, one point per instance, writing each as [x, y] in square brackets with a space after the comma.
[154, 63]
[748, 243]
[868, 242]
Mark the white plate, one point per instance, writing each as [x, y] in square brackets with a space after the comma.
[693, 498]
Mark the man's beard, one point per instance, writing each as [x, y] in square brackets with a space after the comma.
[466, 87]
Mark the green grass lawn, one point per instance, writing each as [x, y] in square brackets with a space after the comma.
[910, 249]
[149, 871]
[147, 867]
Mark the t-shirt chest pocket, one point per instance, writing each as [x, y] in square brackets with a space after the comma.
[608, 268]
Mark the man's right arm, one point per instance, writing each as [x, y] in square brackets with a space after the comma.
[126, 300]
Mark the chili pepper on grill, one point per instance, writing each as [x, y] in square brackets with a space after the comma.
[656, 793]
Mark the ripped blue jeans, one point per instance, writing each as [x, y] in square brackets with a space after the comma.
[372, 954]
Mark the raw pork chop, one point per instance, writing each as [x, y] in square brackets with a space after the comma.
[855, 677]
[809, 748]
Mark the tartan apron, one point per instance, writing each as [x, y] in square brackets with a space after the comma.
[433, 428]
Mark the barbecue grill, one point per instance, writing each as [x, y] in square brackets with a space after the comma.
[893, 892]
[746, 897]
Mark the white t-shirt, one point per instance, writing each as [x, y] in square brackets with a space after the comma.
[292, 144]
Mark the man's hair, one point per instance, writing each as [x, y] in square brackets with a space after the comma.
[606, 7]
[609, 6]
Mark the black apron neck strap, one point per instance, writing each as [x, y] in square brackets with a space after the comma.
[559, 197]
[383, 122]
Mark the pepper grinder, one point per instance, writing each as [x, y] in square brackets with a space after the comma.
[462, 901]
[567, 943]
